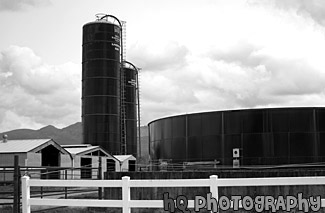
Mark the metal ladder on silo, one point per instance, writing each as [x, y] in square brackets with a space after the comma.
[123, 116]
[123, 49]
[122, 86]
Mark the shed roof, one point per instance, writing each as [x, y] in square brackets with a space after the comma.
[30, 145]
[123, 158]
[81, 150]
[84, 149]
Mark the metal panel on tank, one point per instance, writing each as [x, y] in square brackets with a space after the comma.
[101, 63]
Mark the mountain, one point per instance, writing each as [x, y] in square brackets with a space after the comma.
[69, 135]
[72, 135]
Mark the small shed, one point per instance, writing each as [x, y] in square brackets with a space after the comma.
[127, 162]
[93, 157]
[33, 153]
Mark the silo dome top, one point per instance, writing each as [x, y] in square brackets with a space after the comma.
[106, 18]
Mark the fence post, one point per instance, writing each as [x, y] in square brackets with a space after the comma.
[126, 194]
[66, 188]
[99, 176]
[214, 186]
[16, 207]
[25, 194]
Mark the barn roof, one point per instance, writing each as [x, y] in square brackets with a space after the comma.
[86, 149]
[30, 145]
[122, 158]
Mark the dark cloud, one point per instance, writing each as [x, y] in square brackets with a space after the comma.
[17, 5]
[314, 9]
[243, 53]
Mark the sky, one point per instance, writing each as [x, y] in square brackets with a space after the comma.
[194, 55]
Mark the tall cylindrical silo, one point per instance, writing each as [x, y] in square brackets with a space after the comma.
[130, 104]
[101, 63]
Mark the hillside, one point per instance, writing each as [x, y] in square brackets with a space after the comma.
[69, 135]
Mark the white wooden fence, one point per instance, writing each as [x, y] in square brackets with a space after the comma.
[126, 203]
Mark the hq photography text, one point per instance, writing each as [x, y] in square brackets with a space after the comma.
[247, 203]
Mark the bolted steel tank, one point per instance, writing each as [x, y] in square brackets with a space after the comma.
[101, 80]
[130, 87]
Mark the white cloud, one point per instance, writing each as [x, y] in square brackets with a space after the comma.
[16, 5]
[34, 94]
[158, 56]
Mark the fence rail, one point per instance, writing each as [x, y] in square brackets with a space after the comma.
[126, 184]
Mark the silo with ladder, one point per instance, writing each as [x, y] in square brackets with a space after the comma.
[101, 83]
[109, 90]
[129, 109]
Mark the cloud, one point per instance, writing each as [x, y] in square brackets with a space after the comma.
[202, 85]
[242, 52]
[287, 74]
[158, 56]
[272, 56]
[232, 56]
[17, 5]
[242, 75]
[314, 9]
[34, 94]
[207, 84]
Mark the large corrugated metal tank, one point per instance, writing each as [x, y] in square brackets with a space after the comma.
[272, 136]
[131, 109]
[101, 61]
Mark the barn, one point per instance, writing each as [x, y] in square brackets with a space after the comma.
[86, 160]
[34, 153]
